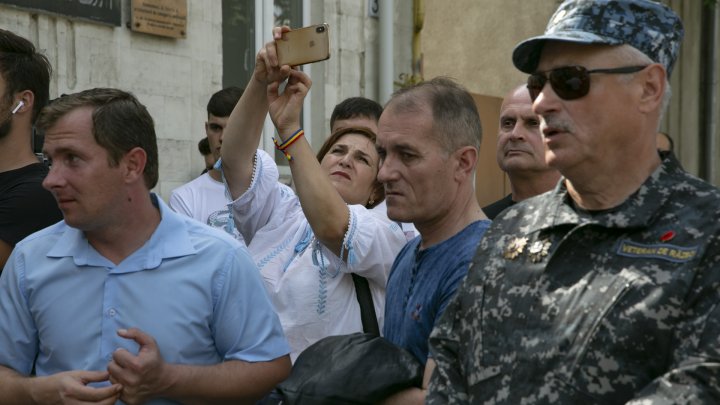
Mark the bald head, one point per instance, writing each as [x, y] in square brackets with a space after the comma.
[518, 94]
[520, 145]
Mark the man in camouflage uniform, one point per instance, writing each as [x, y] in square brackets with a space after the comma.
[607, 289]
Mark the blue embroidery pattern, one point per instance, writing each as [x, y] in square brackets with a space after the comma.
[265, 260]
[320, 260]
[322, 291]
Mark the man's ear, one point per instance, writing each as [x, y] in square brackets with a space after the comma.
[28, 101]
[653, 87]
[134, 164]
[466, 158]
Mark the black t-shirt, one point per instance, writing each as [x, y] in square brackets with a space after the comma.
[25, 206]
[498, 206]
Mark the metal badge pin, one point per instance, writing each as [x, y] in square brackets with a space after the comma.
[539, 250]
[515, 247]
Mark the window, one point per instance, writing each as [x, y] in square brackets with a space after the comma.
[238, 33]
[246, 26]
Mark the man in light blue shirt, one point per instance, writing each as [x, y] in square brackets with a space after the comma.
[125, 300]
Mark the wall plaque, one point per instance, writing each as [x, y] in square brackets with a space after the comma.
[167, 18]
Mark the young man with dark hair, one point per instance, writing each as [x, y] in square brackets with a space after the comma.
[205, 198]
[357, 112]
[124, 299]
[25, 207]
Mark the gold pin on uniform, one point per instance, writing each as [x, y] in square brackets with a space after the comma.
[515, 247]
[539, 250]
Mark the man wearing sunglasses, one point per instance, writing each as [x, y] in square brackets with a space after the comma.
[607, 289]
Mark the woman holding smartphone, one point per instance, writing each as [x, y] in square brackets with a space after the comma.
[307, 245]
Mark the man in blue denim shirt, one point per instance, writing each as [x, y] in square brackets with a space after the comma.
[429, 141]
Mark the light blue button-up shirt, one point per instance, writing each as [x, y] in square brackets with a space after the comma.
[193, 288]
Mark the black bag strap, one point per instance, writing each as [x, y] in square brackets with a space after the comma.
[367, 309]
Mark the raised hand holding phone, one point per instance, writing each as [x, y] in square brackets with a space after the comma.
[303, 45]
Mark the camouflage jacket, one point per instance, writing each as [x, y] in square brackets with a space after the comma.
[569, 307]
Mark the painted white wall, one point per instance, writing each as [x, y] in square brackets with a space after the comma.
[174, 78]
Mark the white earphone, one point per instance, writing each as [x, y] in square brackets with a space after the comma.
[19, 105]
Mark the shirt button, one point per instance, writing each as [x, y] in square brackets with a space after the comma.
[112, 312]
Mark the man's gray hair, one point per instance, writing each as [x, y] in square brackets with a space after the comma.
[456, 121]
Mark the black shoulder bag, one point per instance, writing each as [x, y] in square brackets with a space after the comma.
[360, 368]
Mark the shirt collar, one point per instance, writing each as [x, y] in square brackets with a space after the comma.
[638, 210]
[169, 240]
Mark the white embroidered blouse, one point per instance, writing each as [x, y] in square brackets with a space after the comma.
[311, 288]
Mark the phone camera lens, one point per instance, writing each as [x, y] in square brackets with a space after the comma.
[320, 29]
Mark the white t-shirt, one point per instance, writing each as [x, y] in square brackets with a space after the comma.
[205, 200]
[311, 288]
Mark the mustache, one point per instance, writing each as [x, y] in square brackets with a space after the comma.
[555, 123]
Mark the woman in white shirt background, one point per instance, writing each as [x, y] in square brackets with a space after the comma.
[307, 244]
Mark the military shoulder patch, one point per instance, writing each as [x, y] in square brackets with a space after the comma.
[662, 251]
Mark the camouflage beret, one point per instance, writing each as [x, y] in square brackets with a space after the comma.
[651, 27]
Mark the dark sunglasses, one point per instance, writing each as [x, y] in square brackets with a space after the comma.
[570, 82]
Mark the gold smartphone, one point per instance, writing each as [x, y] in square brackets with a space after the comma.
[304, 45]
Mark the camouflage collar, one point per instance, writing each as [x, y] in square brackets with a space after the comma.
[638, 210]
